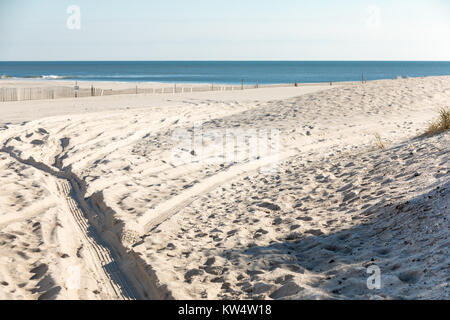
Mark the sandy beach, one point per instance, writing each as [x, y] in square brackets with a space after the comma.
[141, 197]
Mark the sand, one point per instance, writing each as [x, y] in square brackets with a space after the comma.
[99, 202]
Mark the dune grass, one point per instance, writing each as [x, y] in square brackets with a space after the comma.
[440, 125]
[379, 142]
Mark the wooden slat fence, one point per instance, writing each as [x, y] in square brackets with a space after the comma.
[21, 94]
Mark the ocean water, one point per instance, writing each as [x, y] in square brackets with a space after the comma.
[226, 72]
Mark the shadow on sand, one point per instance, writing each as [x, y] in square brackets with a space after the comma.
[408, 241]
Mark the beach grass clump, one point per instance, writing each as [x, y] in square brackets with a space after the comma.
[440, 125]
[379, 142]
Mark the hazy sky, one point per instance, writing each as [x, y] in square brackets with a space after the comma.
[226, 30]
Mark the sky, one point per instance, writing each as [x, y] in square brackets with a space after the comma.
[46, 30]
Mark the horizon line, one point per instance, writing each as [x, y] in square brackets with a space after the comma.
[245, 60]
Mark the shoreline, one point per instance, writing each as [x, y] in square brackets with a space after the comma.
[232, 72]
[11, 82]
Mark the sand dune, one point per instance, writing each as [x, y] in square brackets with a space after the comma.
[96, 206]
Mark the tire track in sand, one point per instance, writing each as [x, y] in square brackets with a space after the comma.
[102, 258]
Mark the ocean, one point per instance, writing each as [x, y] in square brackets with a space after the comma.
[224, 72]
